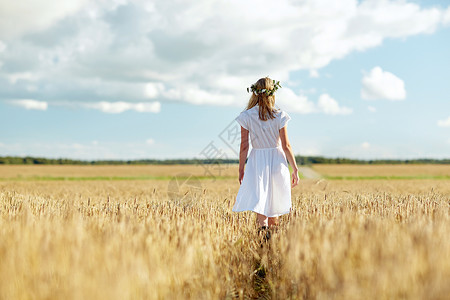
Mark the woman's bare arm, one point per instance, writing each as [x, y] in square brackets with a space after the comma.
[243, 153]
[289, 154]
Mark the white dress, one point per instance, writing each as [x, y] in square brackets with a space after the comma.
[265, 188]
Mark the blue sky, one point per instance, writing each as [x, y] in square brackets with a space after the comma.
[129, 80]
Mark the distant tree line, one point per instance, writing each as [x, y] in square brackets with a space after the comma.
[307, 160]
[302, 160]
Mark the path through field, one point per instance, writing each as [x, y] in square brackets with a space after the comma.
[309, 173]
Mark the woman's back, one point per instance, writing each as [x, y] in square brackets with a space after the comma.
[263, 134]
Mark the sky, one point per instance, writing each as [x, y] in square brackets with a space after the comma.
[166, 79]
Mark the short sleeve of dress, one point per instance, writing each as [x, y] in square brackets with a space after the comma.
[242, 119]
[284, 118]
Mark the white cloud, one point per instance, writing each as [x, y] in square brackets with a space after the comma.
[19, 17]
[379, 84]
[154, 89]
[314, 73]
[119, 107]
[444, 123]
[200, 52]
[14, 77]
[30, 104]
[446, 17]
[308, 91]
[103, 106]
[365, 145]
[290, 101]
[195, 95]
[330, 106]
[2, 46]
[372, 108]
[150, 141]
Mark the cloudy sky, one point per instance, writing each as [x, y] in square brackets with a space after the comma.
[165, 79]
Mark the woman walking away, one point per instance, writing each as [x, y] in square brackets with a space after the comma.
[265, 184]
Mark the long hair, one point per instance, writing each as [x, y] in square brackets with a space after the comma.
[266, 103]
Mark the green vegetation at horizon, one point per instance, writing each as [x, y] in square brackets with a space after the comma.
[301, 160]
[393, 177]
[94, 178]
[117, 178]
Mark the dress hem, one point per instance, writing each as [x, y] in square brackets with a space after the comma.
[271, 216]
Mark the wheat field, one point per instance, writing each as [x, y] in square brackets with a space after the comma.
[135, 232]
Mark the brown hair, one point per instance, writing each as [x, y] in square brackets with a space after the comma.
[266, 103]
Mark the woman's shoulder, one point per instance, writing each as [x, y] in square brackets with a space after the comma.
[283, 117]
[245, 112]
[250, 111]
[280, 112]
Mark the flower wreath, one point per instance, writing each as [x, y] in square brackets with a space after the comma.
[256, 91]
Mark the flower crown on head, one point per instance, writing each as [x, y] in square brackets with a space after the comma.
[256, 91]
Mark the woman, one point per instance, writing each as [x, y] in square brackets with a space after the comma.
[265, 183]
